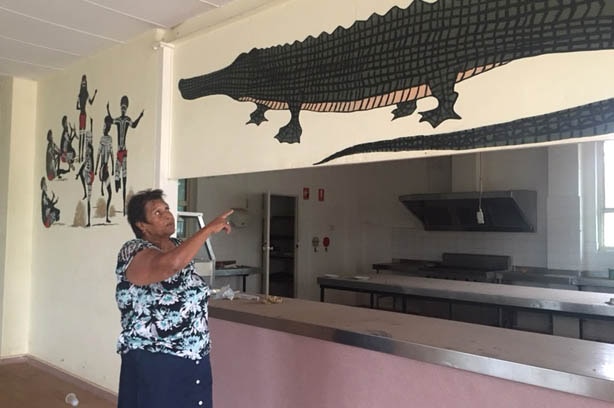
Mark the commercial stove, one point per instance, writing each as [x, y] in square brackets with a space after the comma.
[454, 266]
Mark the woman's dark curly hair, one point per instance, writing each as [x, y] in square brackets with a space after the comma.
[136, 208]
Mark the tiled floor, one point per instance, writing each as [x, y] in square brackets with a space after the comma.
[23, 385]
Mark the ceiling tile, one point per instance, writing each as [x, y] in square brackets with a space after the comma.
[37, 37]
[11, 68]
[163, 13]
[18, 51]
[28, 30]
[80, 17]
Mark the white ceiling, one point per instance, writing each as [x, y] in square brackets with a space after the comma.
[39, 37]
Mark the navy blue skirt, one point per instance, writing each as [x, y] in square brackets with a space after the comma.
[160, 380]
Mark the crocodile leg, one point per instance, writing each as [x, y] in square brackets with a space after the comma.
[442, 88]
[257, 116]
[291, 133]
[404, 109]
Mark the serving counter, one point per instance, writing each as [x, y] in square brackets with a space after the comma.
[565, 365]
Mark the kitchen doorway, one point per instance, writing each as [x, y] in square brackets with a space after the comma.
[280, 242]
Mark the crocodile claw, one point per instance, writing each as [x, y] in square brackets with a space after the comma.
[257, 116]
[444, 111]
[436, 116]
[291, 133]
[404, 109]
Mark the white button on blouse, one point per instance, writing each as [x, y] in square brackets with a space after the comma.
[197, 381]
[200, 403]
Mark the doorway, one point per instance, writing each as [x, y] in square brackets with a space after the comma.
[279, 254]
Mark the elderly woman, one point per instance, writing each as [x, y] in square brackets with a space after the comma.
[164, 342]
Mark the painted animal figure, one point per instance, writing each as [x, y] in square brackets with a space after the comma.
[593, 119]
[404, 55]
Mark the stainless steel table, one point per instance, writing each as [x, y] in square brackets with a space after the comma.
[553, 301]
[241, 270]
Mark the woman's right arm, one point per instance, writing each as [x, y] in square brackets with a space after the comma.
[153, 265]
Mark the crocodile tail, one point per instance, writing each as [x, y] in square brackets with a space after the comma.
[401, 144]
[593, 119]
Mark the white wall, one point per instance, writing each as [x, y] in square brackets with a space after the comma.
[501, 170]
[316, 218]
[365, 221]
[367, 224]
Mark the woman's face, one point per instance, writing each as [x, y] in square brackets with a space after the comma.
[160, 220]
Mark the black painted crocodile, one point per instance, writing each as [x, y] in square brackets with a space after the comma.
[593, 119]
[405, 55]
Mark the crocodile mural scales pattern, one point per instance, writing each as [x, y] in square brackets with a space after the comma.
[403, 56]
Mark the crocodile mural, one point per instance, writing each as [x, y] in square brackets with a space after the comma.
[403, 56]
[593, 119]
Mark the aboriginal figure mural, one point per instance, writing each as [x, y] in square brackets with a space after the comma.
[68, 154]
[405, 55]
[96, 157]
[50, 214]
[86, 171]
[83, 98]
[52, 158]
[103, 159]
[123, 123]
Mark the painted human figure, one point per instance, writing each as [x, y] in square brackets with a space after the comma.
[52, 158]
[49, 212]
[86, 172]
[123, 122]
[82, 100]
[67, 151]
[104, 157]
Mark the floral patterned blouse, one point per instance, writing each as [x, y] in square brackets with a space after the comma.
[169, 316]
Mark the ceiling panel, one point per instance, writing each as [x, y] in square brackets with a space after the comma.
[31, 31]
[11, 68]
[38, 37]
[18, 51]
[78, 16]
[165, 14]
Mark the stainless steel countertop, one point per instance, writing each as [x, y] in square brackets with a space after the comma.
[236, 271]
[521, 274]
[600, 282]
[564, 364]
[557, 300]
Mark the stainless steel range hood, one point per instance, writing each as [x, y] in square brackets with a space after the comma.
[504, 211]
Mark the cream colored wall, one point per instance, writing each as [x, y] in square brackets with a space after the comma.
[6, 98]
[74, 319]
[19, 221]
[211, 138]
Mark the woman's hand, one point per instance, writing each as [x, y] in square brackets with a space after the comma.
[220, 223]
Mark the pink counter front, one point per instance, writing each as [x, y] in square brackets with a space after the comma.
[260, 367]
